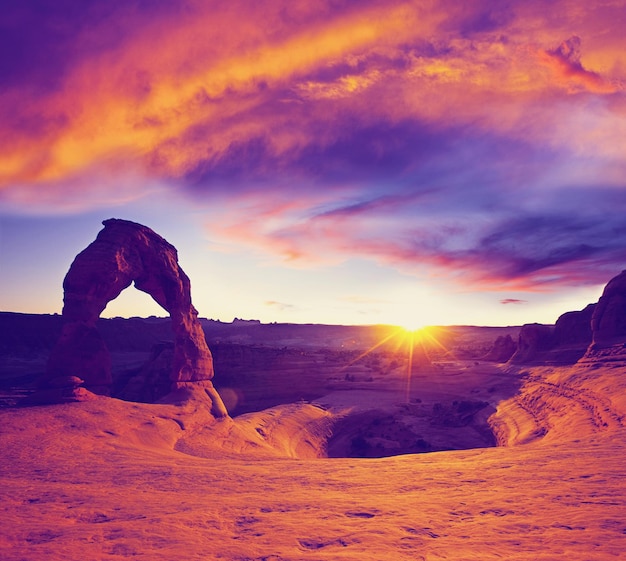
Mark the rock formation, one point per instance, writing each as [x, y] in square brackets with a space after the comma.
[573, 329]
[503, 349]
[125, 252]
[534, 338]
[563, 343]
[608, 323]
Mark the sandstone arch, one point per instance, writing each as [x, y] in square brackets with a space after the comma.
[125, 252]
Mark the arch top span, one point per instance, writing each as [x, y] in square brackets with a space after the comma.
[122, 253]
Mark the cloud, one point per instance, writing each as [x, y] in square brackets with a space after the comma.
[523, 251]
[364, 300]
[458, 141]
[97, 187]
[565, 61]
[513, 301]
[210, 95]
[279, 305]
[146, 99]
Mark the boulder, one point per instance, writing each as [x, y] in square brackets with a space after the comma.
[125, 252]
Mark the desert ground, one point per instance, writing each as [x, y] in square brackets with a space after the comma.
[455, 458]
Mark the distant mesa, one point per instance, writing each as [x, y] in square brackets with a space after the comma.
[246, 322]
[125, 252]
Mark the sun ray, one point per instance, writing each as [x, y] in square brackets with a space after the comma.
[374, 347]
[409, 371]
[427, 334]
[416, 348]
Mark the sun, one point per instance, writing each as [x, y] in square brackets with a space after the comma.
[413, 327]
[425, 336]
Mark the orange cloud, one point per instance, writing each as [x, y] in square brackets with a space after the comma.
[142, 98]
[566, 65]
[303, 101]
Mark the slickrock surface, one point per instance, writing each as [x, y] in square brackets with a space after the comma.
[108, 479]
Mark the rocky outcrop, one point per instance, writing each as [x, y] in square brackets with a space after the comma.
[563, 343]
[503, 349]
[125, 252]
[534, 339]
[573, 329]
[608, 323]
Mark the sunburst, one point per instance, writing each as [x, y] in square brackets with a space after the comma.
[410, 342]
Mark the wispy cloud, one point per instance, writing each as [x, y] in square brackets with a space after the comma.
[281, 306]
[364, 300]
[526, 251]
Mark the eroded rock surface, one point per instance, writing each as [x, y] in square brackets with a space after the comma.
[534, 338]
[609, 319]
[503, 349]
[608, 323]
[573, 329]
[563, 343]
[125, 252]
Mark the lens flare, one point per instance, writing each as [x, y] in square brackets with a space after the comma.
[411, 348]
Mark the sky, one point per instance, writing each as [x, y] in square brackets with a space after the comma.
[413, 163]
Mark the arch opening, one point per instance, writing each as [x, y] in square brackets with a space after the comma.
[131, 303]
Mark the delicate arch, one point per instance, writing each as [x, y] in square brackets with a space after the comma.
[125, 252]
